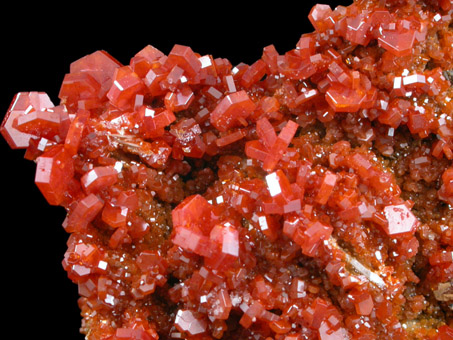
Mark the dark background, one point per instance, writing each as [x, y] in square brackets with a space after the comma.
[38, 43]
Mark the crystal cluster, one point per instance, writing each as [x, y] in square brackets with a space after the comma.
[308, 195]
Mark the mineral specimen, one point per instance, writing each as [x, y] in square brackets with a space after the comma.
[308, 195]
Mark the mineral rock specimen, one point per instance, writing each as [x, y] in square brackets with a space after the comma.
[308, 195]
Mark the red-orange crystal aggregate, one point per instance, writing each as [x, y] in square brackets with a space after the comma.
[308, 195]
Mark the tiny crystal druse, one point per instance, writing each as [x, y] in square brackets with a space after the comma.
[307, 195]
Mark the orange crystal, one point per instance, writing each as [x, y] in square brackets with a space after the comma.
[307, 195]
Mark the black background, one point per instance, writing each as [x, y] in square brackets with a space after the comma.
[38, 43]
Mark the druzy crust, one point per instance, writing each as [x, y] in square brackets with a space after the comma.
[306, 195]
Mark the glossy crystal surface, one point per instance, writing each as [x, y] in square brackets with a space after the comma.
[307, 195]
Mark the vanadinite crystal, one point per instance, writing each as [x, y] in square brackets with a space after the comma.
[308, 195]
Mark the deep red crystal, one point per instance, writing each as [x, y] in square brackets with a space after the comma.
[306, 195]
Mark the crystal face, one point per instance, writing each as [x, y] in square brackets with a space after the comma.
[306, 195]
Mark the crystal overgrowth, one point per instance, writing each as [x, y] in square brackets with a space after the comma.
[307, 195]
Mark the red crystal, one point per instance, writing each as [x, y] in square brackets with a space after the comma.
[326, 188]
[254, 73]
[114, 216]
[279, 186]
[326, 332]
[179, 100]
[344, 99]
[153, 122]
[129, 333]
[75, 132]
[363, 302]
[126, 86]
[357, 29]
[305, 195]
[187, 142]
[266, 132]
[226, 239]
[398, 42]
[145, 59]
[22, 104]
[400, 220]
[186, 321]
[99, 178]
[79, 87]
[232, 111]
[230, 138]
[82, 259]
[280, 145]
[101, 66]
[310, 240]
[444, 333]
[184, 57]
[84, 212]
[319, 17]
[46, 123]
[193, 210]
[193, 240]
[54, 171]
